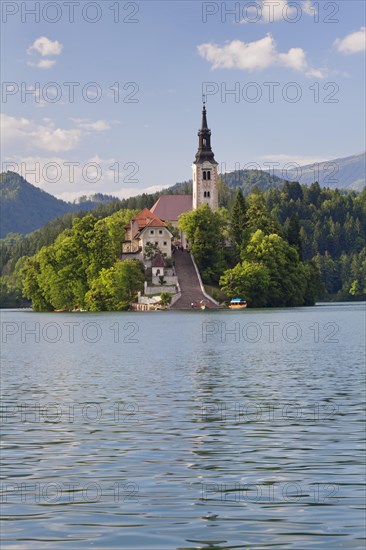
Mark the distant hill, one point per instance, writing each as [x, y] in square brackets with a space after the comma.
[246, 179]
[343, 173]
[25, 207]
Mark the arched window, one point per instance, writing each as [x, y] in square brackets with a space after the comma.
[208, 175]
[204, 175]
[204, 142]
[208, 194]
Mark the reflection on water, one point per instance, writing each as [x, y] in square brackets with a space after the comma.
[209, 430]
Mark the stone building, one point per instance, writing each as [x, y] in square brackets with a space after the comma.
[146, 228]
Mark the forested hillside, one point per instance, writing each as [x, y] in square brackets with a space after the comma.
[25, 207]
[331, 226]
[281, 242]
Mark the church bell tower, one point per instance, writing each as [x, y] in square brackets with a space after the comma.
[205, 176]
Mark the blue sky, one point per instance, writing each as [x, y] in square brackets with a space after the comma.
[159, 56]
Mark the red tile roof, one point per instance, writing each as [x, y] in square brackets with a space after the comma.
[146, 218]
[158, 261]
[170, 207]
[156, 222]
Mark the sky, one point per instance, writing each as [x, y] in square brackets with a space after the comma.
[106, 96]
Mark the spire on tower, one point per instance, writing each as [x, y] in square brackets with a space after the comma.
[204, 133]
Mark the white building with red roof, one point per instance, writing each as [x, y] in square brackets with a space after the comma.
[146, 227]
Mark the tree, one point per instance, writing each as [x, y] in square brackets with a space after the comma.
[239, 218]
[249, 280]
[31, 287]
[204, 230]
[165, 299]
[117, 287]
[287, 280]
[293, 234]
[61, 274]
[151, 250]
[259, 217]
[271, 274]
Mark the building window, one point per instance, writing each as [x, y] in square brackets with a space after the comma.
[151, 232]
[165, 243]
[204, 175]
[208, 194]
[208, 175]
[204, 142]
[157, 244]
[160, 231]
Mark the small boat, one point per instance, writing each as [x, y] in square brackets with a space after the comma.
[238, 303]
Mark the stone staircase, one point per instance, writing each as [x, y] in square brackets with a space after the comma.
[189, 282]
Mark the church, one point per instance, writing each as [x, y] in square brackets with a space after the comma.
[151, 226]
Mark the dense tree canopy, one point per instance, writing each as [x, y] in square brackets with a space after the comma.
[204, 230]
[81, 266]
[326, 227]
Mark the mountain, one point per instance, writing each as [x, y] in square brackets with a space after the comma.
[344, 173]
[25, 207]
[246, 179]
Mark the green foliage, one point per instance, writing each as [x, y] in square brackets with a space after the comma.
[270, 274]
[205, 232]
[116, 288]
[239, 219]
[165, 299]
[332, 232]
[151, 250]
[82, 259]
[293, 233]
[173, 230]
[169, 262]
[247, 279]
[248, 179]
[260, 217]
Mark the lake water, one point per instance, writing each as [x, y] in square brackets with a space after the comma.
[180, 430]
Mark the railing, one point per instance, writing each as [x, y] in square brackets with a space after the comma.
[201, 284]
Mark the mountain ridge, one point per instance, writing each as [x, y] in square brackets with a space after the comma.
[26, 208]
[342, 173]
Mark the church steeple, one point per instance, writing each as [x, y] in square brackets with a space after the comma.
[205, 173]
[204, 152]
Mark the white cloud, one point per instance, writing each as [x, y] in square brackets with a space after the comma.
[352, 43]
[253, 56]
[42, 64]
[26, 133]
[44, 46]
[295, 59]
[86, 124]
[276, 10]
